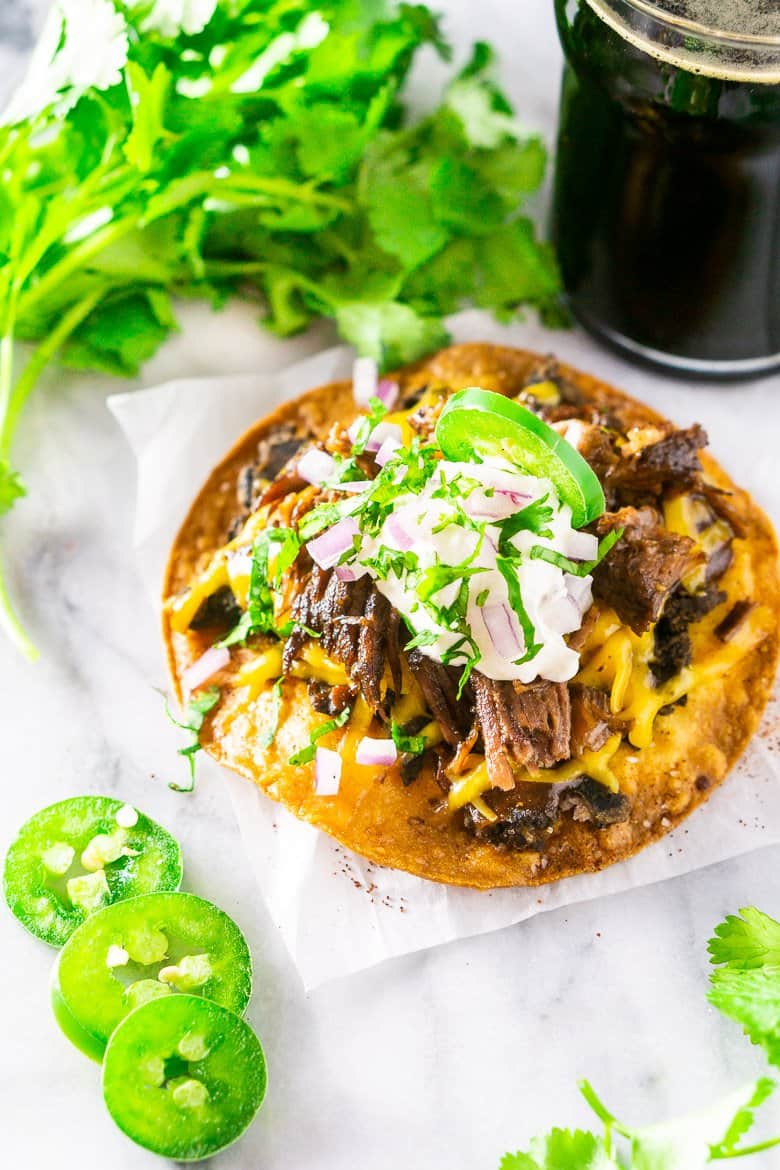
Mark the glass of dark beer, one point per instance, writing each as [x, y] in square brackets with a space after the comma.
[667, 194]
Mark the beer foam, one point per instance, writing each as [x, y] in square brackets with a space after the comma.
[752, 18]
[740, 38]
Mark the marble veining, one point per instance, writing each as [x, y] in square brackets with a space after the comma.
[442, 1060]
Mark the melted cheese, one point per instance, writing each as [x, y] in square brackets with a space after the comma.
[476, 782]
[184, 608]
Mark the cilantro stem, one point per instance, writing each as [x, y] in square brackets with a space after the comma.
[747, 1150]
[41, 357]
[10, 623]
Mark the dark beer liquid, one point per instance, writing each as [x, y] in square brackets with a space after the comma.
[667, 203]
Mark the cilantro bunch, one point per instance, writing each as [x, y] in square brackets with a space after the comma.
[746, 987]
[209, 148]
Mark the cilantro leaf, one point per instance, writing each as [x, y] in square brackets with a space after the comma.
[390, 332]
[413, 745]
[748, 940]
[562, 1149]
[197, 709]
[746, 986]
[306, 754]
[269, 734]
[11, 487]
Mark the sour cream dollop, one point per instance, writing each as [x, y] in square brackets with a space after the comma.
[497, 594]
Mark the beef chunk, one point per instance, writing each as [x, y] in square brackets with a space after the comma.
[439, 685]
[671, 636]
[525, 817]
[643, 568]
[220, 609]
[591, 801]
[274, 451]
[592, 722]
[527, 725]
[357, 627]
[643, 476]
[329, 700]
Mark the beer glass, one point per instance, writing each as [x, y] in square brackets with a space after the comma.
[666, 210]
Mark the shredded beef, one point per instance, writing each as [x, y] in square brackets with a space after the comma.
[591, 801]
[529, 725]
[672, 640]
[643, 477]
[439, 685]
[357, 627]
[643, 568]
[592, 722]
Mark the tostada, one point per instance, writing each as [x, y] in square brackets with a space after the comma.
[487, 620]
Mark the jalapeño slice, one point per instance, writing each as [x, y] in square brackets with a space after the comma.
[144, 949]
[83, 854]
[183, 1077]
[478, 424]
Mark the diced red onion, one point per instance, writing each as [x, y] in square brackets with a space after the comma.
[316, 466]
[562, 614]
[328, 549]
[496, 507]
[214, 660]
[350, 572]
[579, 546]
[381, 433]
[364, 380]
[327, 772]
[580, 590]
[500, 480]
[376, 752]
[387, 450]
[354, 486]
[387, 391]
[501, 626]
[397, 532]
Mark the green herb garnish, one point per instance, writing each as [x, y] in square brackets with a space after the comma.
[411, 745]
[576, 568]
[197, 710]
[747, 988]
[269, 735]
[306, 754]
[205, 161]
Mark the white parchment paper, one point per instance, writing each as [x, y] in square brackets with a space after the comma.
[336, 912]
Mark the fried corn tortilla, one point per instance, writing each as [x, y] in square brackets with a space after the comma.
[675, 744]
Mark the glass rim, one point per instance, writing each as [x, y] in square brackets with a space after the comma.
[740, 56]
[728, 36]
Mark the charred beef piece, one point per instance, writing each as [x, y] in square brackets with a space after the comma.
[591, 801]
[274, 452]
[672, 639]
[669, 463]
[592, 722]
[329, 700]
[439, 685]
[528, 725]
[643, 568]
[731, 623]
[524, 817]
[357, 627]
[220, 609]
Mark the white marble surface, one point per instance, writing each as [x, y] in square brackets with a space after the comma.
[442, 1060]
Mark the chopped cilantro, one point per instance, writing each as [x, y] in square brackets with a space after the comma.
[424, 638]
[306, 754]
[197, 710]
[376, 412]
[269, 735]
[508, 571]
[576, 568]
[482, 597]
[413, 745]
[533, 518]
